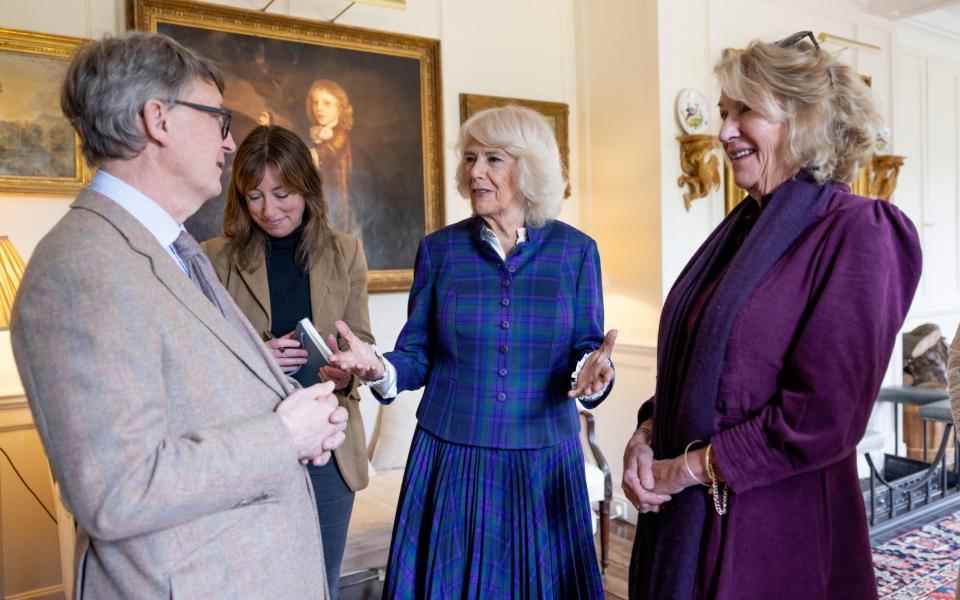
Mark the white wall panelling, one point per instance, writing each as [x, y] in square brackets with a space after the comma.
[926, 120]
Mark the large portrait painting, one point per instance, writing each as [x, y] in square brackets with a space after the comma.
[39, 150]
[367, 104]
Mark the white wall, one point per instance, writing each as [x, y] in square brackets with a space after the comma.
[926, 126]
[926, 129]
[620, 174]
[620, 168]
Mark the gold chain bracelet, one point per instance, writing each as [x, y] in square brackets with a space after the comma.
[718, 490]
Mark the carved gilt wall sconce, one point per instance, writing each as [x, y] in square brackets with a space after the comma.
[885, 168]
[700, 166]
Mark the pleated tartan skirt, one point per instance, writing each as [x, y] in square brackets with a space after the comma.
[485, 523]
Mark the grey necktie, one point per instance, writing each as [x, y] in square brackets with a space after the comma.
[200, 270]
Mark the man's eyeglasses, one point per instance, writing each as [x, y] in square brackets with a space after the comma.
[791, 40]
[225, 115]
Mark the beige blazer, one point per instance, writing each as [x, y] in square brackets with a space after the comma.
[338, 290]
[158, 419]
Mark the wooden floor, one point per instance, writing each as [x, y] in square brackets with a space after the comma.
[621, 541]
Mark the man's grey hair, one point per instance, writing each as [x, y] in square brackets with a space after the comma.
[109, 81]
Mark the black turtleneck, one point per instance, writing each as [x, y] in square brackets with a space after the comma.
[289, 283]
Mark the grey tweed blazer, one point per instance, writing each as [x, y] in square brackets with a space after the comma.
[158, 420]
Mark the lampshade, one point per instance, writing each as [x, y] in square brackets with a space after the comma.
[11, 271]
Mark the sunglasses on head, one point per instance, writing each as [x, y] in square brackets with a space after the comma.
[792, 40]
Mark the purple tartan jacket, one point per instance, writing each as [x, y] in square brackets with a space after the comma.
[495, 342]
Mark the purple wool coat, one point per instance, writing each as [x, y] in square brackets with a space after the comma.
[805, 350]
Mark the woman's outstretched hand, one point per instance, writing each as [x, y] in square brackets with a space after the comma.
[358, 359]
[597, 373]
[340, 378]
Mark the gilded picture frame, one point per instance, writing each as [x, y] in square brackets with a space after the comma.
[380, 158]
[556, 113]
[732, 193]
[39, 150]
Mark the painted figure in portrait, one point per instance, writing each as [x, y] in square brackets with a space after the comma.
[331, 117]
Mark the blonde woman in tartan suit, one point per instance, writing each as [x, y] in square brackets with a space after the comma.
[505, 331]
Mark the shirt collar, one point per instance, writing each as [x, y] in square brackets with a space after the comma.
[489, 236]
[157, 220]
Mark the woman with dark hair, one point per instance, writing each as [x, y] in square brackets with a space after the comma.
[772, 346]
[281, 262]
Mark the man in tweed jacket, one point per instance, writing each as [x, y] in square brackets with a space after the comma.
[176, 439]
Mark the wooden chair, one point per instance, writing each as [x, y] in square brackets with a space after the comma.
[599, 483]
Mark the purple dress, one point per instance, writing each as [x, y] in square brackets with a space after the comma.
[779, 372]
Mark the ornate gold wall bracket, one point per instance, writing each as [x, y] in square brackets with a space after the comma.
[700, 166]
[882, 178]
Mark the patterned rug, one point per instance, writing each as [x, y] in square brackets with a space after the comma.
[920, 564]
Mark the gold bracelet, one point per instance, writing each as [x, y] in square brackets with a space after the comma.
[719, 490]
[687, 464]
[711, 474]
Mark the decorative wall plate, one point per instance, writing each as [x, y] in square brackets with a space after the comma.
[692, 111]
[882, 145]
